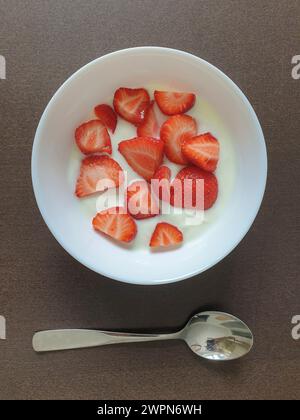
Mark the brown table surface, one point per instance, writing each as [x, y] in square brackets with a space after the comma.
[42, 287]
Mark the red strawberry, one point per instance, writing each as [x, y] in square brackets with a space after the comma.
[171, 103]
[202, 151]
[149, 126]
[116, 223]
[143, 154]
[162, 187]
[98, 173]
[93, 137]
[107, 116]
[184, 194]
[140, 202]
[131, 104]
[163, 172]
[174, 132]
[165, 235]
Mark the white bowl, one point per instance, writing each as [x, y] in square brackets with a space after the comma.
[54, 141]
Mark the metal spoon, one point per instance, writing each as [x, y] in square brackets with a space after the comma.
[211, 335]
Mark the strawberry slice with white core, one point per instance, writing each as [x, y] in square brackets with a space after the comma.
[131, 104]
[165, 235]
[107, 116]
[174, 132]
[149, 127]
[141, 204]
[143, 154]
[116, 223]
[172, 103]
[92, 137]
[98, 173]
[203, 151]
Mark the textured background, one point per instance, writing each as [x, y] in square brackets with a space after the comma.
[42, 287]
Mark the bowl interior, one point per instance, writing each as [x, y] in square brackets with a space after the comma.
[54, 143]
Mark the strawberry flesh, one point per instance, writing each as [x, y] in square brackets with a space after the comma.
[203, 151]
[161, 187]
[116, 223]
[131, 104]
[165, 235]
[185, 194]
[107, 116]
[140, 202]
[92, 137]
[98, 173]
[174, 132]
[149, 126]
[172, 103]
[143, 154]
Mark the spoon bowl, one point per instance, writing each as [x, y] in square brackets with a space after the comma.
[217, 336]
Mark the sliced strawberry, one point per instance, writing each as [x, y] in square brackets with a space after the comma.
[202, 151]
[161, 187]
[116, 223]
[93, 137]
[165, 235]
[140, 202]
[107, 116]
[172, 103]
[131, 104]
[174, 132]
[184, 194]
[163, 172]
[98, 173]
[143, 154]
[149, 126]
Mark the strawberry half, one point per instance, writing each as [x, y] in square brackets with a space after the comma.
[172, 103]
[165, 235]
[107, 116]
[174, 132]
[140, 202]
[116, 223]
[131, 104]
[202, 151]
[143, 154]
[161, 187]
[98, 173]
[149, 126]
[184, 194]
[93, 137]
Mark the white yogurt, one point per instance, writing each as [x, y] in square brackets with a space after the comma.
[191, 227]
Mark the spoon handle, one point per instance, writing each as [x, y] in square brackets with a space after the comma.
[52, 340]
